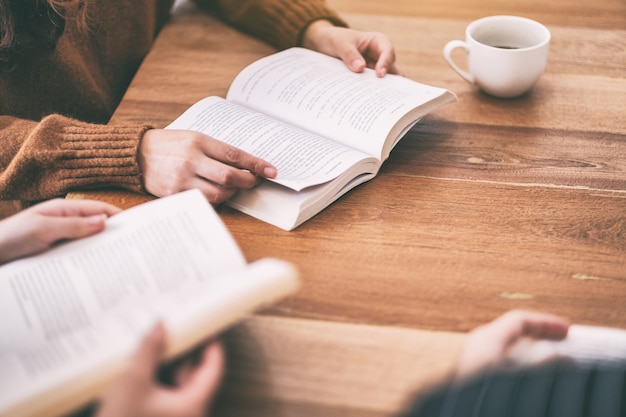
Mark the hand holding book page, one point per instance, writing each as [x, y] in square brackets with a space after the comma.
[583, 345]
[70, 317]
[325, 128]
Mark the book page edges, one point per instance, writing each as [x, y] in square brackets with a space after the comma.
[410, 119]
[287, 209]
[584, 345]
[264, 282]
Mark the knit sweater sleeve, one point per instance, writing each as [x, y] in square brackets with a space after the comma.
[281, 23]
[48, 158]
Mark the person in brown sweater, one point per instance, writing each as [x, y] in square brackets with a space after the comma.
[65, 64]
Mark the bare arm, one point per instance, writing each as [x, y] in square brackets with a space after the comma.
[39, 227]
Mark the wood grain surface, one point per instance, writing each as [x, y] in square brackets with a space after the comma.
[486, 205]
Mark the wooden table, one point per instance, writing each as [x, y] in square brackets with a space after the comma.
[487, 205]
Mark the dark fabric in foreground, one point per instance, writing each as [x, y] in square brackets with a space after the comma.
[556, 390]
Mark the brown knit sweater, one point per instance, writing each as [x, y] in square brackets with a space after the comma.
[52, 114]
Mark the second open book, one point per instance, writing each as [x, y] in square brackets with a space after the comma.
[71, 317]
[325, 128]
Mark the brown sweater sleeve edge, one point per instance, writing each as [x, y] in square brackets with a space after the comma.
[61, 154]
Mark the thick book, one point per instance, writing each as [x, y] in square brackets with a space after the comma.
[71, 317]
[324, 127]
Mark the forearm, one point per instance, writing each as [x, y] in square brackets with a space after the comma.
[45, 159]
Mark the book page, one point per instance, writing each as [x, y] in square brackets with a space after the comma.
[156, 248]
[583, 345]
[302, 158]
[320, 94]
[70, 369]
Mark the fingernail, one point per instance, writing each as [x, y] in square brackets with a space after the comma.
[97, 220]
[155, 336]
[157, 329]
[269, 172]
[383, 72]
[358, 64]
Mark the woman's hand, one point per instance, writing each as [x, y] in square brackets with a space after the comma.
[355, 48]
[137, 394]
[37, 228]
[488, 345]
[176, 160]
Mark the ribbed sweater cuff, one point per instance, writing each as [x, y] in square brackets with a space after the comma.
[89, 155]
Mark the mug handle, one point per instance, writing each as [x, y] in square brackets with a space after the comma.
[447, 54]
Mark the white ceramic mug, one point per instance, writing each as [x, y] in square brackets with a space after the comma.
[506, 55]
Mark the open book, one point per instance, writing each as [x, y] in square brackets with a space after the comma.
[71, 317]
[325, 128]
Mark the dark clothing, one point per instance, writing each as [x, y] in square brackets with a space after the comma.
[557, 389]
